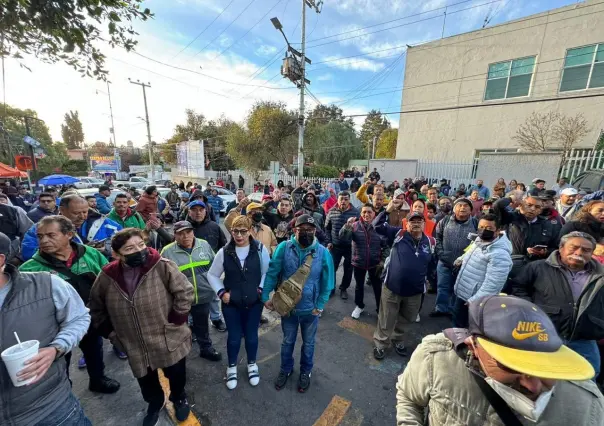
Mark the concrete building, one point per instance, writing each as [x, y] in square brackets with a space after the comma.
[555, 55]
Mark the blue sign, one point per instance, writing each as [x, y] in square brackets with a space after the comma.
[31, 141]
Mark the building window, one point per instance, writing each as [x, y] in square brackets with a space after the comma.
[583, 68]
[510, 79]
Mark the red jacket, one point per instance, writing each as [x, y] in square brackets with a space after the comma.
[147, 204]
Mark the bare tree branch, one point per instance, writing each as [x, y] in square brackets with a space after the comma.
[537, 133]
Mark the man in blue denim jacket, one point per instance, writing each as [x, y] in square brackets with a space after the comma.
[287, 258]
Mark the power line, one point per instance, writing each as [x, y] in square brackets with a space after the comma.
[404, 25]
[204, 30]
[226, 28]
[248, 31]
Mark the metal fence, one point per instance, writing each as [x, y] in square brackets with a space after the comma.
[580, 160]
[455, 173]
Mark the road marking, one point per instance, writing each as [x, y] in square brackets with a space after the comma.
[165, 384]
[358, 327]
[334, 413]
[268, 357]
[263, 330]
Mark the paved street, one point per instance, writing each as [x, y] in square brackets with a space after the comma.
[349, 387]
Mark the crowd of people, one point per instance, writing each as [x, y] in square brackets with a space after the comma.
[518, 270]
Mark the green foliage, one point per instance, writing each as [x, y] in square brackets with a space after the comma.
[322, 171]
[75, 167]
[334, 142]
[270, 134]
[101, 149]
[56, 156]
[72, 132]
[67, 30]
[197, 127]
[323, 114]
[386, 144]
[372, 128]
[129, 158]
[600, 143]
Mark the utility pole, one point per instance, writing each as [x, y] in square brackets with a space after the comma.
[373, 150]
[111, 113]
[294, 68]
[144, 86]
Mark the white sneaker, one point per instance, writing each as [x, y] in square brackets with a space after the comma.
[252, 374]
[231, 377]
[417, 319]
[357, 312]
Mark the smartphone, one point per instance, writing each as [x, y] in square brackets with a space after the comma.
[540, 247]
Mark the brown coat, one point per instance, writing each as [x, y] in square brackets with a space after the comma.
[147, 204]
[143, 326]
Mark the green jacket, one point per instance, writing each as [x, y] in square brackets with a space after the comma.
[195, 266]
[133, 220]
[86, 265]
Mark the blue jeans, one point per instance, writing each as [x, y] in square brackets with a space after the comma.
[69, 413]
[215, 309]
[308, 328]
[242, 321]
[445, 287]
[589, 350]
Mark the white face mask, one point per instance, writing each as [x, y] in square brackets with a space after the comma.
[521, 404]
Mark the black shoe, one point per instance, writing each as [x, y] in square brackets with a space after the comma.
[281, 380]
[210, 354]
[400, 349]
[152, 416]
[378, 353]
[303, 382]
[104, 385]
[263, 320]
[343, 295]
[181, 409]
[219, 324]
[437, 314]
[332, 293]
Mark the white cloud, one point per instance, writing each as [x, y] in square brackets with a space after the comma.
[52, 90]
[325, 77]
[371, 8]
[266, 50]
[356, 64]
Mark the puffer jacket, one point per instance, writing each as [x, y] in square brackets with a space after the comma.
[102, 205]
[367, 244]
[438, 379]
[544, 283]
[336, 218]
[452, 237]
[195, 266]
[484, 269]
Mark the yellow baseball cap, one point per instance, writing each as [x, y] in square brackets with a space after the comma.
[519, 335]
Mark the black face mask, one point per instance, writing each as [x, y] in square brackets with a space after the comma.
[137, 259]
[486, 234]
[546, 211]
[306, 238]
[479, 185]
[446, 208]
[257, 217]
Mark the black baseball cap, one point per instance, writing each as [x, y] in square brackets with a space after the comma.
[5, 245]
[519, 335]
[416, 215]
[182, 225]
[305, 219]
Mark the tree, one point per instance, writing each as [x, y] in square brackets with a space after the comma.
[75, 167]
[196, 127]
[386, 144]
[128, 159]
[568, 132]
[68, 30]
[270, 133]
[600, 143]
[100, 149]
[537, 133]
[323, 114]
[372, 128]
[334, 143]
[72, 132]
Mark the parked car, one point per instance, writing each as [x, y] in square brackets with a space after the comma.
[590, 180]
[226, 195]
[137, 182]
[82, 184]
[91, 181]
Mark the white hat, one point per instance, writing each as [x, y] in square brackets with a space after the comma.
[569, 191]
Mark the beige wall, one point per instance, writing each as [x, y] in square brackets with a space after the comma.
[464, 59]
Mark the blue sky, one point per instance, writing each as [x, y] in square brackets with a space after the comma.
[235, 49]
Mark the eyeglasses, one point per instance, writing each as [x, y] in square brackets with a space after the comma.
[240, 231]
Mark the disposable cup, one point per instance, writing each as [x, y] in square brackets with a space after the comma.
[15, 358]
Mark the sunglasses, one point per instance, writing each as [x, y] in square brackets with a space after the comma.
[240, 231]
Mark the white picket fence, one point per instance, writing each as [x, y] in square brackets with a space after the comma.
[580, 160]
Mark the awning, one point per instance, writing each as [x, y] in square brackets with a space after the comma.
[8, 172]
